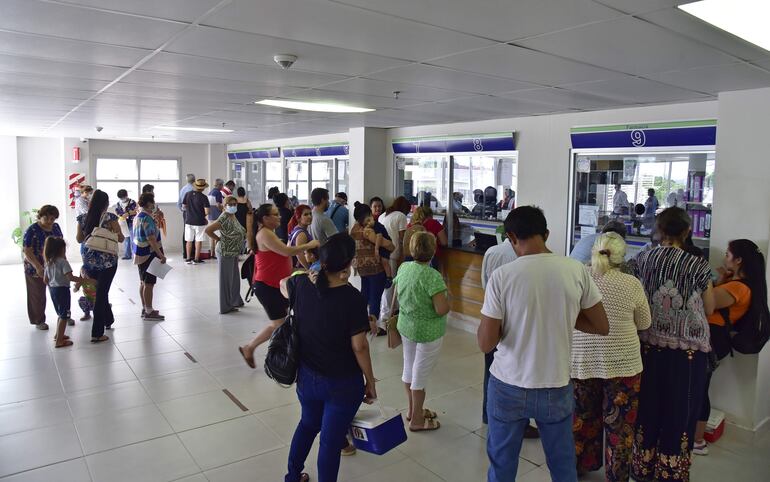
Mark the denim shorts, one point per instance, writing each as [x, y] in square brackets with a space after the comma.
[61, 299]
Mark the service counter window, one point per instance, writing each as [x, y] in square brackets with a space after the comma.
[342, 175]
[484, 186]
[322, 175]
[424, 180]
[297, 175]
[634, 187]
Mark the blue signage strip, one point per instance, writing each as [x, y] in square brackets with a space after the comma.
[266, 154]
[317, 151]
[680, 136]
[231, 156]
[243, 155]
[485, 143]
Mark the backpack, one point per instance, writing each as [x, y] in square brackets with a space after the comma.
[750, 337]
[282, 359]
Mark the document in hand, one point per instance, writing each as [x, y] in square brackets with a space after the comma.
[158, 269]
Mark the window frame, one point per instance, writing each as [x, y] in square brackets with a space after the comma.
[139, 182]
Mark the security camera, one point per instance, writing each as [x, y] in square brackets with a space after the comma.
[83, 139]
[285, 60]
[99, 128]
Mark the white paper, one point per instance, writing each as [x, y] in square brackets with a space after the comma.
[583, 165]
[158, 269]
[587, 231]
[506, 171]
[588, 215]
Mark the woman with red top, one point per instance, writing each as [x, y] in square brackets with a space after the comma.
[272, 263]
[740, 289]
[436, 229]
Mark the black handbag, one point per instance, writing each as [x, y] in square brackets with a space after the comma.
[282, 359]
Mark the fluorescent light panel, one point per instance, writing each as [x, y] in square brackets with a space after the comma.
[191, 129]
[747, 19]
[315, 106]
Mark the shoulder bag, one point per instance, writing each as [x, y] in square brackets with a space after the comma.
[282, 359]
[394, 337]
[102, 239]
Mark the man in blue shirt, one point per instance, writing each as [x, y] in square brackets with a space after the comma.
[338, 213]
[182, 193]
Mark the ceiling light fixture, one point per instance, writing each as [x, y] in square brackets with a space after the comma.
[191, 129]
[315, 106]
[746, 19]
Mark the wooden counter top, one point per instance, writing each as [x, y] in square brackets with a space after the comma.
[462, 272]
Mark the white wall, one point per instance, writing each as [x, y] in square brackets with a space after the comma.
[742, 210]
[292, 141]
[544, 143]
[207, 161]
[9, 199]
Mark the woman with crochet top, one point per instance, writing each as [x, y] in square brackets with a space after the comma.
[606, 370]
[674, 352]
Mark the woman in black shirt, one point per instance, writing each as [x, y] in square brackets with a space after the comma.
[335, 373]
[282, 202]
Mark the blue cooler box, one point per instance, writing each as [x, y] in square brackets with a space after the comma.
[377, 430]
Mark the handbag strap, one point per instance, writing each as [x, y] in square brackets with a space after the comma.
[393, 300]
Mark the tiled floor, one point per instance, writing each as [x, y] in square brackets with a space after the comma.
[139, 409]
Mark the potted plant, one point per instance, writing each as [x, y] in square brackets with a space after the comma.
[18, 234]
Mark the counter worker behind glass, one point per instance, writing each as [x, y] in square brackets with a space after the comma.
[619, 201]
[457, 203]
[496, 256]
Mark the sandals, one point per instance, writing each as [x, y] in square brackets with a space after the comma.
[428, 425]
[426, 414]
[100, 339]
[65, 337]
[65, 343]
[154, 315]
[249, 360]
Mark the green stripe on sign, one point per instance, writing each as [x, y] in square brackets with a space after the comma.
[651, 125]
[449, 138]
[317, 145]
[253, 149]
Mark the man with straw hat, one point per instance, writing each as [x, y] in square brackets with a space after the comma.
[196, 207]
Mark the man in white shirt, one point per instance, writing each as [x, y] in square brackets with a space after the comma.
[619, 201]
[530, 308]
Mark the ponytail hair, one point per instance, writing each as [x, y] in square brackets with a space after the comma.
[361, 212]
[608, 253]
[336, 255]
[752, 272]
[294, 221]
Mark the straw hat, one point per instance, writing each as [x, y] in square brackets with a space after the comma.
[200, 184]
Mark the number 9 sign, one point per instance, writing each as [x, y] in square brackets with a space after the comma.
[638, 138]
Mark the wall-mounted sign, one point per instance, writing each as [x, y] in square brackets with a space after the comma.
[660, 134]
[265, 153]
[470, 143]
[320, 150]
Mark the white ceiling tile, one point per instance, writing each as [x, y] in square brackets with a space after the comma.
[565, 99]
[636, 90]
[161, 80]
[223, 69]
[526, 65]
[50, 81]
[502, 20]
[764, 64]
[179, 95]
[183, 10]
[717, 79]
[349, 98]
[337, 25]
[508, 106]
[260, 49]
[431, 76]
[76, 23]
[628, 45]
[9, 63]
[69, 50]
[685, 24]
[636, 6]
[383, 88]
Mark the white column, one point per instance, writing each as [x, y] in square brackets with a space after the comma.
[9, 198]
[368, 166]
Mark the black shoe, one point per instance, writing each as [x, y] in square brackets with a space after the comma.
[381, 332]
[189, 261]
[197, 261]
[388, 283]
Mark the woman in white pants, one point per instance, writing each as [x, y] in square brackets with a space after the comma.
[422, 294]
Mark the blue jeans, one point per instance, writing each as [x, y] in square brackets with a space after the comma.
[509, 409]
[372, 288]
[328, 407]
[128, 243]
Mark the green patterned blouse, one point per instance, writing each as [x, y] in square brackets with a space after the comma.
[232, 236]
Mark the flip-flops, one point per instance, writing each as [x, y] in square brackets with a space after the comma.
[100, 339]
[426, 414]
[249, 360]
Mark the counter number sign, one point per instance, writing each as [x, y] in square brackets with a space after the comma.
[638, 139]
[477, 145]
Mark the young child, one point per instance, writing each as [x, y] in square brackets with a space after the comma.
[86, 302]
[312, 257]
[58, 276]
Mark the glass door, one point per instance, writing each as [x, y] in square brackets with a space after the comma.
[238, 173]
[255, 187]
[297, 171]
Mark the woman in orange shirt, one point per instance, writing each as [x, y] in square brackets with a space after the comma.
[741, 276]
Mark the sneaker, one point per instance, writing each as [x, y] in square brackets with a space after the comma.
[189, 261]
[42, 326]
[197, 261]
[531, 432]
[700, 448]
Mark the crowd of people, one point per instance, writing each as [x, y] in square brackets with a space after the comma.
[611, 357]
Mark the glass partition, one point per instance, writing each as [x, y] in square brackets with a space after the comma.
[633, 187]
[424, 180]
[322, 175]
[484, 186]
